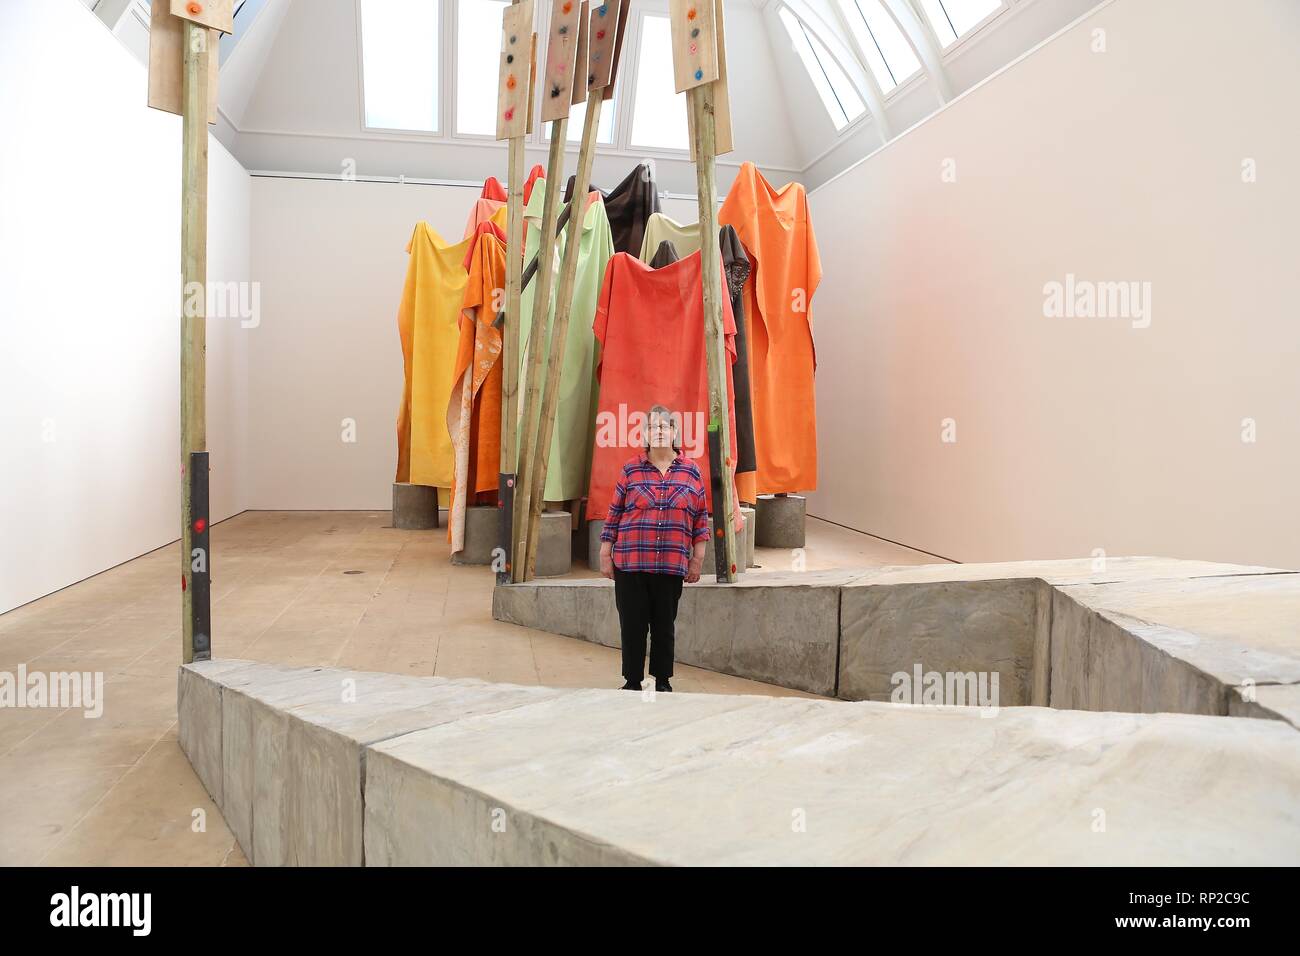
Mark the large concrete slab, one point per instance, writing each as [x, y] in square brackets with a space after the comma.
[1137, 634]
[533, 776]
[1189, 645]
[292, 747]
[776, 627]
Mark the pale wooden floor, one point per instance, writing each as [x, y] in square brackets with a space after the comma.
[118, 790]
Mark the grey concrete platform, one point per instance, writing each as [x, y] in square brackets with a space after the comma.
[1135, 634]
[414, 771]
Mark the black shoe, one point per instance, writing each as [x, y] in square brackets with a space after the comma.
[630, 685]
[662, 686]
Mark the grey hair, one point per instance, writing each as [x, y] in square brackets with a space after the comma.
[664, 411]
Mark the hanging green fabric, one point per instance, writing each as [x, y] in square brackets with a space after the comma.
[568, 470]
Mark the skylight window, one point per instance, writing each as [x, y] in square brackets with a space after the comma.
[953, 19]
[841, 100]
[890, 56]
[478, 55]
[399, 62]
[659, 112]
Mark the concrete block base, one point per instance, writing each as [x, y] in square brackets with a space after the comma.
[415, 507]
[554, 544]
[482, 525]
[780, 521]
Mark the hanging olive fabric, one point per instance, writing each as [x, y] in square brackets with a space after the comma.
[650, 326]
[427, 323]
[775, 228]
[684, 239]
[474, 409]
[628, 206]
[570, 456]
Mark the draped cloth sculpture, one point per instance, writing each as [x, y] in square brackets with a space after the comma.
[570, 456]
[650, 326]
[776, 230]
[474, 411]
[663, 233]
[427, 323]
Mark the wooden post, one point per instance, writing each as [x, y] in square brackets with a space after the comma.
[194, 278]
[560, 328]
[701, 105]
[527, 462]
[514, 121]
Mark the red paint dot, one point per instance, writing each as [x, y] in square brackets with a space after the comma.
[733, 569]
[510, 114]
[600, 34]
[200, 524]
[182, 582]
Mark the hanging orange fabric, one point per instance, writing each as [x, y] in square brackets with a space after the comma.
[492, 189]
[650, 325]
[536, 173]
[427, 322]
[776, 230]
[474, 409]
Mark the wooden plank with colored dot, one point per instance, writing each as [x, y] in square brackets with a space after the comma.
[608, 25]
[214, 14]
[695, 43]
[721, 97]
[556, 79]
[580, 58]
[166, 34]
[514, 80]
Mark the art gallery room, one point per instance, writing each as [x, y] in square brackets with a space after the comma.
[913, 431]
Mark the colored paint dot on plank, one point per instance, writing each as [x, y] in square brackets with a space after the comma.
[694, 48]
[690, 14]
[555, 91]
[699, 74]
[510, 114]
[510, 58]
[563, 30]
[511, 82]
[568, 6]
[200, 524]
[603, 9]
[600, 34]
[695, 32]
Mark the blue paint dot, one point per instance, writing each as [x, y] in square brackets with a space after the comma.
[603, 9]
[699, 74]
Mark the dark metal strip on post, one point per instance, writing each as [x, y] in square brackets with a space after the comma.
[717, 467]
[505, 515]
[200, 579]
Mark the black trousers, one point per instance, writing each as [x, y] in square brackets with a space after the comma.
[647, 600]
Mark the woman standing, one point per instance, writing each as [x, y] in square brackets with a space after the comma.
[653, 541]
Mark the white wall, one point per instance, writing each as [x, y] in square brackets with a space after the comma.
[330, 257]
[1077, 434]
[89, 295]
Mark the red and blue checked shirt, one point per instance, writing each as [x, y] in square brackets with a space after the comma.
[655, 518]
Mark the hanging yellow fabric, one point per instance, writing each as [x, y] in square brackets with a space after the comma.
[427, 321]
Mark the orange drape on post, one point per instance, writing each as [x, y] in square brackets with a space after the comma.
[775, 228]
[474, 409]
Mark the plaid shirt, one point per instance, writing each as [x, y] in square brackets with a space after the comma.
[656, 518]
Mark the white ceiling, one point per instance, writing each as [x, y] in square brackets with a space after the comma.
[291, 99]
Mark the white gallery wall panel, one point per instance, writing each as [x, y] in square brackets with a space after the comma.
[89, 300]
[1155, 143]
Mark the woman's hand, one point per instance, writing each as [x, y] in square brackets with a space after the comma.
[693, 570]
[607, 564]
